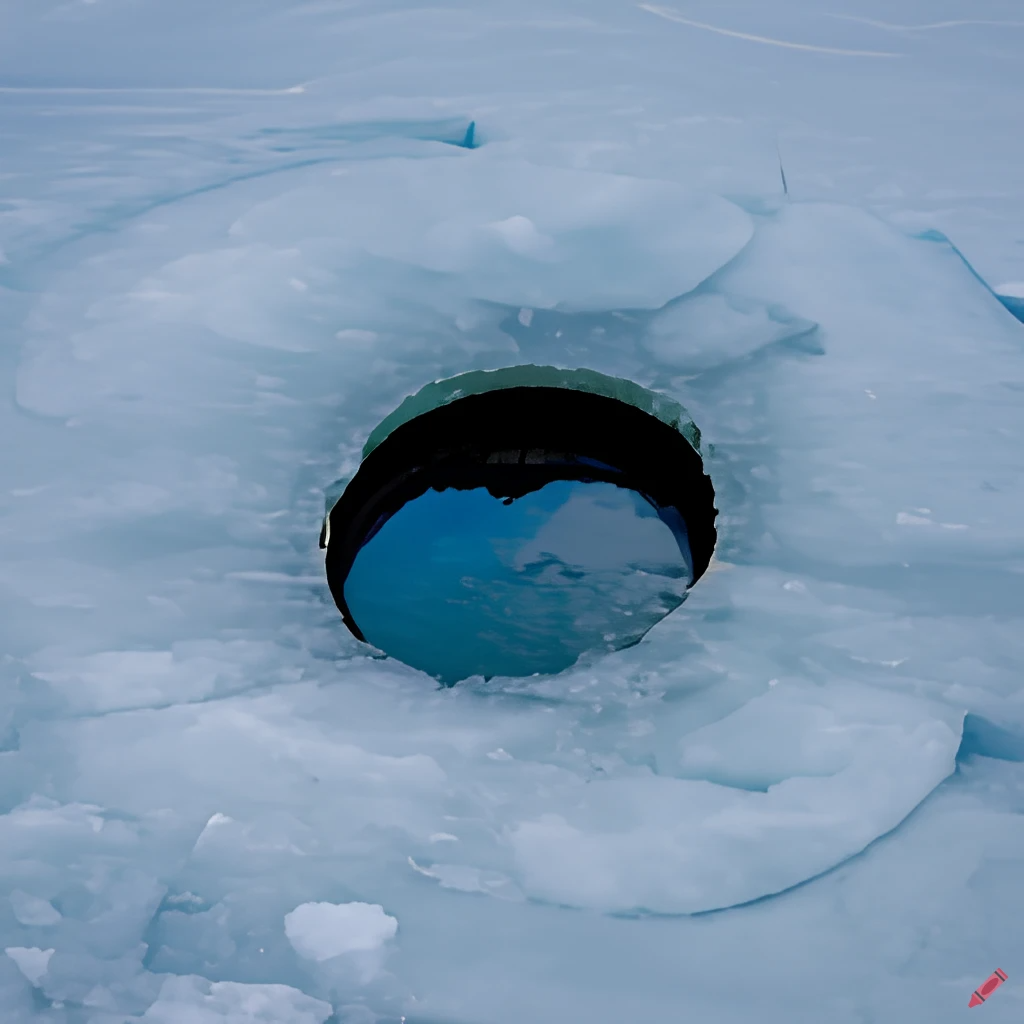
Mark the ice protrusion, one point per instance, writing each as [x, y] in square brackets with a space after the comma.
[193, 1000]
[521, 236]
[786, 787]
[794, 731]
[464, 878]
[905, 320]
[322, 931]
[216, 821]
[709, 328]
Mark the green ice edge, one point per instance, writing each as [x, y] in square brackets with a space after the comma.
[478, 382]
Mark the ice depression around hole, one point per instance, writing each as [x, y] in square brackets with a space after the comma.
[506, 522]
[636, 774]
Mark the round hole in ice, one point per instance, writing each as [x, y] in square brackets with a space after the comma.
[507, 525]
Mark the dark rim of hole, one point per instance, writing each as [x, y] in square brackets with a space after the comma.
[514, 441]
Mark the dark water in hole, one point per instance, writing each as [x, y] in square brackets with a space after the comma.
[459, 584]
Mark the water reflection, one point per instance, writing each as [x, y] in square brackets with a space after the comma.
[459, 584]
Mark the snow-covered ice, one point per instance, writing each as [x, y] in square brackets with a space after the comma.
[235, 236]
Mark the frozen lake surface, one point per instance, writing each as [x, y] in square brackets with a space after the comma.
[235, 236]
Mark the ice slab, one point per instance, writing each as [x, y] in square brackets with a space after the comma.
[199, 1001]
[516, 233]
[321, 931]
[628, 785]
[32, 962]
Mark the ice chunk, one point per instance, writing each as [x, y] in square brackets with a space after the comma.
[468, 879]
[791, 799]
[321, 931]
[520, 234]
[17, 996]
[32, 962]
[197, 1001]
[710, 328]
[794, 732]
[32, 911]
[517, 233]
[914, 340]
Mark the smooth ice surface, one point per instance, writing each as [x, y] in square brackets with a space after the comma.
[236, 236]
[459, 584]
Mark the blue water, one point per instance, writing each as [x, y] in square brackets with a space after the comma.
[459, 584]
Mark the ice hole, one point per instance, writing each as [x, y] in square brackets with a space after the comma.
[509, 532]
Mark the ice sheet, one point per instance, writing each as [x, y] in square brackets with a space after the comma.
[212, 291]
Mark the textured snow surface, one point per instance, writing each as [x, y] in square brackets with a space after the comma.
[235, 236]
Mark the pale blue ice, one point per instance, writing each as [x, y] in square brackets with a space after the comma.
[234, 236]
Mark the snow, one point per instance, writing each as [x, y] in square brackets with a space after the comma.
[235, 237]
